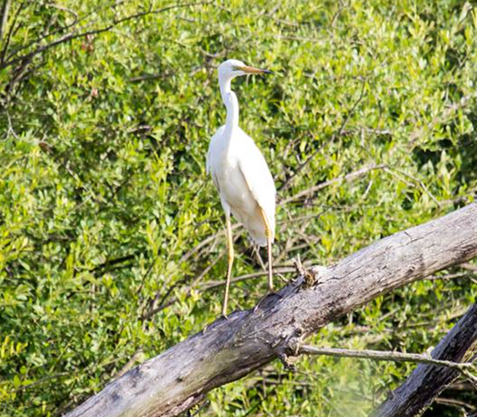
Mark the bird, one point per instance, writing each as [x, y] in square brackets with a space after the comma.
[241, 174]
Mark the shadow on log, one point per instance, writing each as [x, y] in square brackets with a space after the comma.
[230, 349]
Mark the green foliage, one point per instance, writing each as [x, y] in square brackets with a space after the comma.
[110, 230]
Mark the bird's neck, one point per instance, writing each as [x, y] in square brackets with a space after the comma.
[231, 103]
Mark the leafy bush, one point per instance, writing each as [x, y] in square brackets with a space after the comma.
[111, 234]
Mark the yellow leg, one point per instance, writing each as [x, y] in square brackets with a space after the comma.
[230, 244]
[268, 233]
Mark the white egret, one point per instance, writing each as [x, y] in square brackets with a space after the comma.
[241, 175]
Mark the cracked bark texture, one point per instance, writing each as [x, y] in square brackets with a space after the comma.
[427, 381]
[230, 349]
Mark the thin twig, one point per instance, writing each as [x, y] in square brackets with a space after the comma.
[60, 29]
[66, 9]
[214, 284]
[455, 403]
[448, 276]
[138, 356]
[348, 177]
[200, 245]
[73, 35]
[333, 137]
[12, 31]
[391, 170]
[42, 380]
[158, 306]
[378, 355]
[204, 404]
[3, 22]
[469, 266]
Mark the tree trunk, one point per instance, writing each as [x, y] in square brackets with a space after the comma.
[231, 348]
[428, 381]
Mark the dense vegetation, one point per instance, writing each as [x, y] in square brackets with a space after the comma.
[111, 242]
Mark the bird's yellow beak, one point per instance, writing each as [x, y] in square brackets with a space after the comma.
[252, 70]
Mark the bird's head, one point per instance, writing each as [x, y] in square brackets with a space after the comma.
[232, 68]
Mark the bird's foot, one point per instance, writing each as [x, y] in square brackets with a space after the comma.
[224, 316]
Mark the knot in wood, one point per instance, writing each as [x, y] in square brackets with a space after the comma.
[291, 346]
[294, 346]
[311, 276]
[286, 361]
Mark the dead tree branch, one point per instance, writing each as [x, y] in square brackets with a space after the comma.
[428, 381]
[230, 349]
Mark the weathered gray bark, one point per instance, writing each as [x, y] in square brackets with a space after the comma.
[230, 349]
[428, 381]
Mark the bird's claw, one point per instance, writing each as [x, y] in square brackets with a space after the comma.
[224, 316]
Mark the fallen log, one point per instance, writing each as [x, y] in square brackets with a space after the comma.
[231, 348]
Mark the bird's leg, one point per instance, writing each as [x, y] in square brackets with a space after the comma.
[268, 233]
[230, 244]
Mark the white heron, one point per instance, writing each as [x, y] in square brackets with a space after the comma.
[241, 175]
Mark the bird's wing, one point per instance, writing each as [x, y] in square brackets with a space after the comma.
[210, 158]
[255, 171]
[212, 146]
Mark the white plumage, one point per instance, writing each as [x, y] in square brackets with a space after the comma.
[240, 172]
[244, 182]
